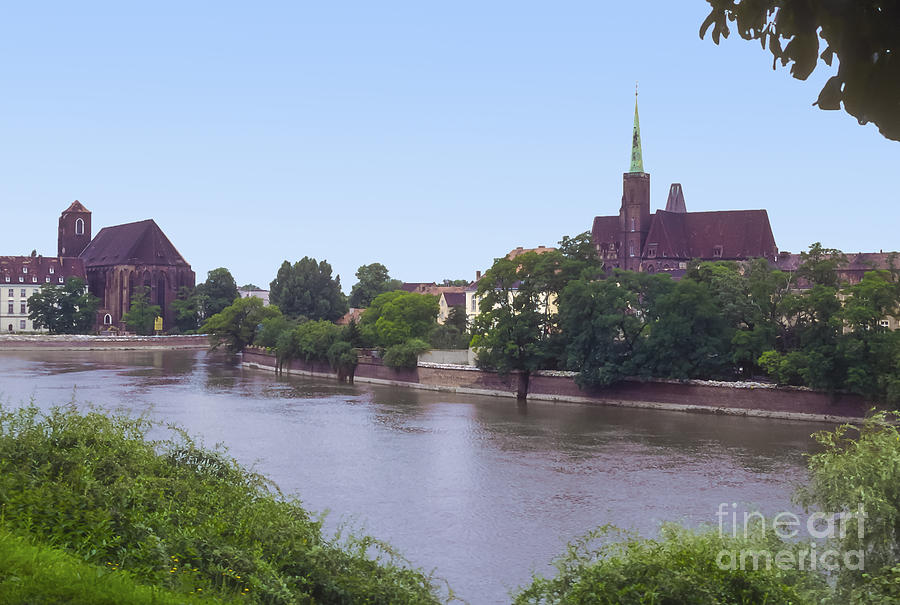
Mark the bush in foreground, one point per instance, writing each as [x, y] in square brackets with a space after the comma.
[175, 516]
[681, 567]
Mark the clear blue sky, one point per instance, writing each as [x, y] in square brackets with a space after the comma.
[429, 137]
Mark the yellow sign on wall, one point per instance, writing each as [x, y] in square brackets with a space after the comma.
[157, 324]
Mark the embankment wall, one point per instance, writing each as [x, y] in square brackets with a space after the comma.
[749, 399]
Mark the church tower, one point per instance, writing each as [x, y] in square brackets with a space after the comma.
[74, 230]
[634, 215]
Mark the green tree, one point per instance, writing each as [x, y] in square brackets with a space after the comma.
[606, 323]
[858, 470]
[141, 314]
[373, 280]
[511, 331]
[217, 292]
[863, 35]
[453, 333]
[188, 307]
[689, 337]
[236, 325]
[250, 286]
[395, 317]
[343, 359]
[64, 309]
[307, 289]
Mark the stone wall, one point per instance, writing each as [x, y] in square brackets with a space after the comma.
[751, 399]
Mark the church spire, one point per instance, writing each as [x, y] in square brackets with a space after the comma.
[637, 160]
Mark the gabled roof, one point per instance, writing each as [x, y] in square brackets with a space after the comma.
[75, 206]
[37, 269]
[454, 298]
[737, 234]
[605, 229]
[142, 242]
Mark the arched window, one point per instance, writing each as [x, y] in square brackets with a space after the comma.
[107, 320]
[79, 226]
[632, 223]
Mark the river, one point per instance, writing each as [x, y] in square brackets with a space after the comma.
[479, 489]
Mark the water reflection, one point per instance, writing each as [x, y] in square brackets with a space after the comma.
[480, 488]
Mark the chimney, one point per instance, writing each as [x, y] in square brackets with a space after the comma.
[477, 275]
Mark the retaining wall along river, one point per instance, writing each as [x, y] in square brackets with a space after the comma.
[739, 398]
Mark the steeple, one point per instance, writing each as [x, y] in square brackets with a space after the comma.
[637, 160]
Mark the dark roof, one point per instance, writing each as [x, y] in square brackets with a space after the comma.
[741, 234]
[142, 242]
[455, 298]
[76, 206]
[39, 269]
[606, 229]
[859, 262]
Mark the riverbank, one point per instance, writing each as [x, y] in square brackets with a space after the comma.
[699, 396]
[84, 342]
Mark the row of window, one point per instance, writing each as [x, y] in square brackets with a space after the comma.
[22, 326]
[22, 310]
[34, 279]
[22, 293]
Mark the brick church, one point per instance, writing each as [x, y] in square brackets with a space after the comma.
[666, 241]
[121, 258]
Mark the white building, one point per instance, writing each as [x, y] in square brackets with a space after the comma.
[22, 276]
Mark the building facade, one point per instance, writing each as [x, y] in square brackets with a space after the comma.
[22, 276]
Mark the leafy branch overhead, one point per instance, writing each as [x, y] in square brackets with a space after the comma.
[864, 36]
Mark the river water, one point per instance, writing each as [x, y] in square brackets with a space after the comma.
[479, 489]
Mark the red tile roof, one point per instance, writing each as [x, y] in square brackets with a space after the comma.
[142, 242]
[39, 269]
[726, 234]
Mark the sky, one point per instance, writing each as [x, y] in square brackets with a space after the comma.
[430, 137]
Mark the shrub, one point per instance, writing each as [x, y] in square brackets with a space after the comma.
[177, 516]
[406, 354]
[680, 568]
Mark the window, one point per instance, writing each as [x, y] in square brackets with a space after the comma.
[51, 270]
[651, 252]
[34, 279]
[632, 224]
[630, 248]
[22, 293]
[7, 279]
[22, 308]
[885, 323]
[79, 226]
[11, 292]
[21, 279]
[10, 308]
[60, 280]
[107, 320]
[47, 279]
[21, 324]
[717, 252]
[25, 270]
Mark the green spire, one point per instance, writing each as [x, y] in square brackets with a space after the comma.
[637, 160]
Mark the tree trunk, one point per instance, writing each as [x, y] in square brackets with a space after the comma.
[522, 389]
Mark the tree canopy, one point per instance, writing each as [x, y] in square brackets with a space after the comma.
[306, 289]
[217, 292]
[864, 36]
[398, 316]
[141, 314]
[236, 325]
[63, 309]
[373, 280]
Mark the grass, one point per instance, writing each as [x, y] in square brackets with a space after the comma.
[180, 518]
[38, 575]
